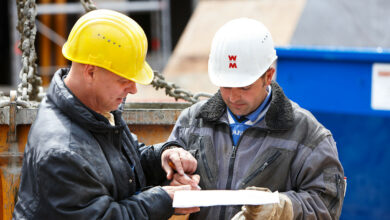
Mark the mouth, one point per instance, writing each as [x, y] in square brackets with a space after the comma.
[236, 105]
[119, 100]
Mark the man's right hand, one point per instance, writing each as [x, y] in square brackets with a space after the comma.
[178, 160]
[171, 192]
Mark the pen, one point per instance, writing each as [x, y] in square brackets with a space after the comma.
[174, 167]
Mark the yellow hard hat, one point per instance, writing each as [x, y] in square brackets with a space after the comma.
[112, 41]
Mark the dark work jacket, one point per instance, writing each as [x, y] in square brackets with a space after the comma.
[289, 151]
[78, 166]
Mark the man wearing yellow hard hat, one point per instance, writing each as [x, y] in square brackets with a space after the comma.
[81, 161]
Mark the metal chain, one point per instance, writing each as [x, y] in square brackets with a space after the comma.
[88, 5]
[174, 91]
[159, 81]
[30, 87]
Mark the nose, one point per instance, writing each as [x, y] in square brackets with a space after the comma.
[131, 87]
[235, 95]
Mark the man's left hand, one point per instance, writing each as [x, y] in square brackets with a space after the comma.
[192, 180]
[276, 211]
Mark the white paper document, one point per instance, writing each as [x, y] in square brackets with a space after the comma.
[194, 198]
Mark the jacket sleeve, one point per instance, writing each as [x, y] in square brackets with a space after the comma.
[179, 133]
[151, 162]
[68, 188]
[150, 158]
[319, 182]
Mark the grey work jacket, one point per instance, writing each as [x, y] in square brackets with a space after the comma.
[78, 166]
[289, 151]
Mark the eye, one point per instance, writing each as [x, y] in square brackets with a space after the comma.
[246, 88]
[121, 81]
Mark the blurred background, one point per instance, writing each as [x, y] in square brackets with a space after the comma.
[334, 60]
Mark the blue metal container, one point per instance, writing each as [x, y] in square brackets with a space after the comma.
[336, 85]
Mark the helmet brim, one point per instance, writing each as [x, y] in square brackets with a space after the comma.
[146, 75]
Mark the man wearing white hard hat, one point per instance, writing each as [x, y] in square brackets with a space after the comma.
[249, 135]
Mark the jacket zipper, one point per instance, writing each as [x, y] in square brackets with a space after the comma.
[334, 201]
[230, 175]
[268, 162]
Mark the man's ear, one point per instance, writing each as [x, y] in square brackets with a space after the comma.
[89, 72]
[269, 75]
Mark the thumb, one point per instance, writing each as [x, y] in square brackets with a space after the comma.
[168, 169]
[170, 173]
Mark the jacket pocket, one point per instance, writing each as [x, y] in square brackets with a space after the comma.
[268, 162]
[334, 193]
[270, 170]
[204, 151]
[338, 200]
[205, 157]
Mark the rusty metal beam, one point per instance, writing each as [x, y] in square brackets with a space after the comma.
[133, 113]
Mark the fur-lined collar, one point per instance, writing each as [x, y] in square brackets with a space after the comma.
[278, 117]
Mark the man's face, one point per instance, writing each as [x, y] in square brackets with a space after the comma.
[244, 100]
[110, 89]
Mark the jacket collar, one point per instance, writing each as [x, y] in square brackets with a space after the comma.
[278, 117]
[70, 105]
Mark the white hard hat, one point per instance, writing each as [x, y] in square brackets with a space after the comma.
[241, 51]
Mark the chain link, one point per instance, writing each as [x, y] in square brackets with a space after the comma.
[174, 91]
[88, 5]
[30, 86]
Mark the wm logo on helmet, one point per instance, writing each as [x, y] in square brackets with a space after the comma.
[232, 61]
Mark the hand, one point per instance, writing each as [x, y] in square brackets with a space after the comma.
[192, 180]
[171, 192]
[182, 161]
[282, 210]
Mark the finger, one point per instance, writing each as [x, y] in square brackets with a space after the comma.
[189, 163]
[172, 189]
[175, 182]
[195, 178]
[189, 180]
[187, 210]
[183, 187]
[179, 180]
[195, 182]
[168, 170]
[176, 160]
[186, 179]
[195, 187]
[182, 179]
[165, 164]
[170, 174]
[254, 208]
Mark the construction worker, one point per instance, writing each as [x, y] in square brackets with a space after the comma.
[81, 161]
[250, 135]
